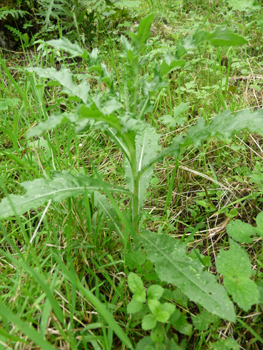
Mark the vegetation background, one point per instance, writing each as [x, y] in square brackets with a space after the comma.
[72, 272]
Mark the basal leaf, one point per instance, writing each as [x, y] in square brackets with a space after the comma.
[38, 192]
[235, 265]
[65, 78]
[174, 266]
[73, 49]
[139, 39]
[222, 36]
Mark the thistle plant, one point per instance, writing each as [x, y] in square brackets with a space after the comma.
[119, 111]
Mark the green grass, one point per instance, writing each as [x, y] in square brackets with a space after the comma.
[48, 284]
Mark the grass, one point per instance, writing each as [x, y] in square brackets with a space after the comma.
[46, 282]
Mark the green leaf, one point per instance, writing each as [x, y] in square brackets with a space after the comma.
[176, 120]
[180, 324]
[174, 266]
[169, 63]
[154, 292]
[148, 322]
[222, 36]
[224, 125]
[129, 4]
[95, 111]
[204, 320]
[140, 296]
[134, 306]
[243, 5]
[259, 221]
[135, 259]
[154, 306]
[168, 307]
[147, 147]
[157, 334]
[145, 343]
[163, 316]
[73, 49]
[65, 78]
[235, 265]
[139, 39]
[38, 192]
[53, 121]
[227, 344]
[240, 231]
[135, 283]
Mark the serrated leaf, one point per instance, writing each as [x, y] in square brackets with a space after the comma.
[38, 192]
[145, 343]
[65, 78]
[64, 44]
[148, 322]
[134, 306]
[139, 39]
[240, 231]
[135, 283]
[174, 266]
[154, 292]
[222, 36]
[235, 265]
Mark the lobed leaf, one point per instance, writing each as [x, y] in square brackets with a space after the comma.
[39, 191]
[65, 78]
[73, 49]
[223, 125]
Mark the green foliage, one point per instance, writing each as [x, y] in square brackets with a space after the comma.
[160, 312]
[119, 111]
[4, 12]
[234, 264]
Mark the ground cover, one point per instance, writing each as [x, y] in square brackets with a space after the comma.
[73, 274]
